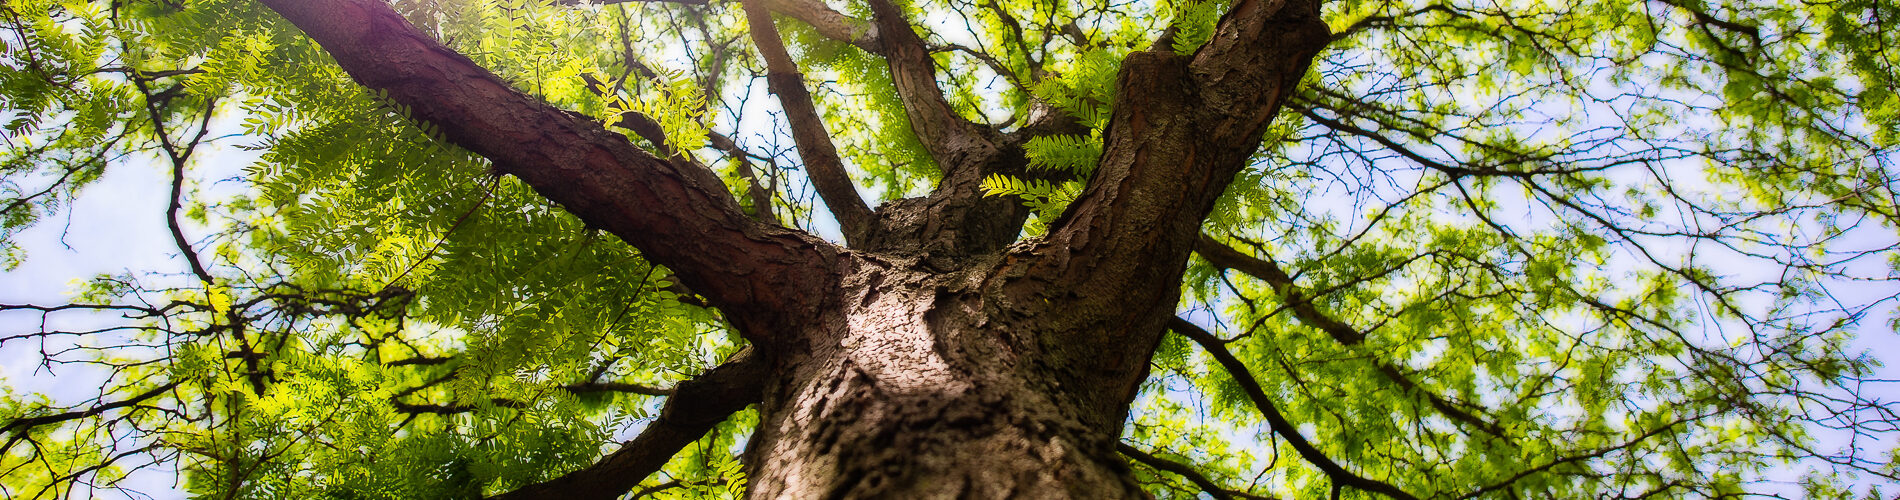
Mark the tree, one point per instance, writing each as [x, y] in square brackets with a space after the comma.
[1240, 248]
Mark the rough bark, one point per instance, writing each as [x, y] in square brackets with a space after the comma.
[926, 386]
[1182, 127]
[956, 220]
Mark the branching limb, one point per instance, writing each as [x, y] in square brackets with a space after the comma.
[21, 426]
[179, 155]
[830, 23]
[1276, 421]
[761, 194]
[677, 216]
[1206, 484]
[914, 73]
[822, 163]
[694, 408]
[956, 219]
[1308, 110]
[1300, 302]
[1181, 128]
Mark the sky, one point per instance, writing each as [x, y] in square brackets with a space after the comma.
[117, 226]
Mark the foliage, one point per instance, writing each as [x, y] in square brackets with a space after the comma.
[1529, 249]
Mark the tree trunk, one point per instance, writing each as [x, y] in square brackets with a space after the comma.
[931, 361]
[926, 385]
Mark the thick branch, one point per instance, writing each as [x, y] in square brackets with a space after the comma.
[914, 73]
[678, 216]
[648, 128]
[957, 219]
[1181, 129]
[1276, 421]
[1178, 134]
[694, 408]
[822, 163]
[830, 23]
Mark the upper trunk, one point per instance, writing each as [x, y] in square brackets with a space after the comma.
[938, 385]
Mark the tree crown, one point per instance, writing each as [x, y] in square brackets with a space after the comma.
[1481, 249]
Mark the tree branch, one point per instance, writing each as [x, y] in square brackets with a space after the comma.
[1206, 484]
[1276, 421]
[1300, 302]
[694, 408]
[617, 387]
[677, 216]
[24, 425]
[452, 409]
[956, 219]
[1181, 129]
[611, 2]
[179, 155]
[1577, 458]
[822, 163]
[648, 128]
[946, 134]
[830, 23]
[1226, 257]
[420, 361]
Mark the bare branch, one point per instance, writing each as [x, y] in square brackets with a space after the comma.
[1301, 303]
[1579, 457]
[1277, 421]
[26, 424]
[761, 194]
[179, 155]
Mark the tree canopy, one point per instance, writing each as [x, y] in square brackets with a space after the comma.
[1481, 250]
